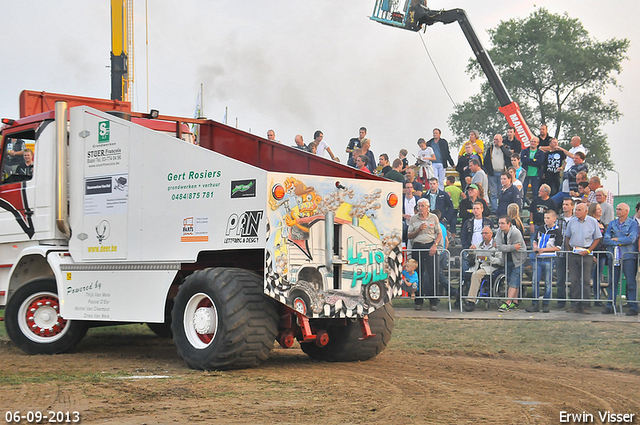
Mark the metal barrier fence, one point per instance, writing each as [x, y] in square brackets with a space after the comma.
[437, 281]
[548, 272]
[434, 275]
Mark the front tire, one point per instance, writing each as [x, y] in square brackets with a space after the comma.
[300, 302]
[222, 320]
[374, 293]
[33, 320]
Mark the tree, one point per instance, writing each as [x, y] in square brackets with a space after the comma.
[558, 75]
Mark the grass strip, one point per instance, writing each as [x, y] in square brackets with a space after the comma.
[595, 344]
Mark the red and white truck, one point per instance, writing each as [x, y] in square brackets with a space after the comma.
[228, 245]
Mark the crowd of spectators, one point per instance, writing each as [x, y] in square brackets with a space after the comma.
[570, 217]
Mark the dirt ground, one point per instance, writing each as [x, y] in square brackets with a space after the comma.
[129, 379]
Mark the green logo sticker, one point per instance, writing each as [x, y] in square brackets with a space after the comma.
[243, 188]
[103, 131]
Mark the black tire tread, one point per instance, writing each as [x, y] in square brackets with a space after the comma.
[163, 330]
[345, 344]
[313, 351]
[248, 320]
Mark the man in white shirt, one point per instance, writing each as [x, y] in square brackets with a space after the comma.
[322, 145]
[569, 163]
[576, 146]
[409, 202]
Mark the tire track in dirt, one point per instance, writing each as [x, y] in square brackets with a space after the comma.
[607, 395]
[526, 392]
[398, 386]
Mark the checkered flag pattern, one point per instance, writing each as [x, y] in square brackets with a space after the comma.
[273, 285]
[394, 262]
[341, 311]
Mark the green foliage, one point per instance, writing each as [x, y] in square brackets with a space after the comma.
[558, 75]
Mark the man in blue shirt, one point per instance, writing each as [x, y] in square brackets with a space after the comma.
[620, 239]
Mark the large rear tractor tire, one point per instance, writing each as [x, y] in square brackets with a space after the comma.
[222, 320]
[344, 341]
[33, 322]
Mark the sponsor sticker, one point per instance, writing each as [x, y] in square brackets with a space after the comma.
[106, 195]
[98, 186]
[103, 131]
[243, 228]
[243, 188]
[195, 229]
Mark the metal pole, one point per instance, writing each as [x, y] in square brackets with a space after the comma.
[202, 100]
[146, 24]
[618, 175]
[62, 209]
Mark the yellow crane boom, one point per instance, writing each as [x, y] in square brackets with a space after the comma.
[122, 50]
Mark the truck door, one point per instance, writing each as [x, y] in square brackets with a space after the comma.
[17, 186]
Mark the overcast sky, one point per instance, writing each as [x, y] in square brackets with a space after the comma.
[294, 66]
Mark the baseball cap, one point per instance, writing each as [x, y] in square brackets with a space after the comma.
[473, 186]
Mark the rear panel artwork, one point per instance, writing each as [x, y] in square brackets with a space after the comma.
[333, 246]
